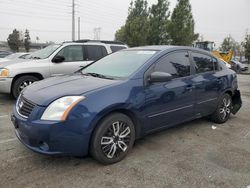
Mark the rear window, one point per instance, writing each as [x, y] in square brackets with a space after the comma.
[117, 48]
[203, 63]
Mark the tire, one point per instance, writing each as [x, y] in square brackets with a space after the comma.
[21, 83]
[223, 111]
[238, 70]
[112, 139]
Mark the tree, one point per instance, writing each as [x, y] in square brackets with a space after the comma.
[27, 40]
[228, 44]
[120, 34]
[181, 28]
[135, 31]
[14, 40]
[246, 45]
[158, 23]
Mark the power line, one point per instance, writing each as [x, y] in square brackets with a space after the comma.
[36, 13]
[28, 16]
[38, 4]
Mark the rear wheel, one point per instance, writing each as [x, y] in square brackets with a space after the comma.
[21, 83]
[112, 139]
[223, 111]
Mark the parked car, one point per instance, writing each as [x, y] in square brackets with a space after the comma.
[54, 60]
[18, 55]
[227, 64]
[4, 53]
[238, 66]
[104, 107]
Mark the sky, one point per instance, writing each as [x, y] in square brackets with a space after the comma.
[51, 20]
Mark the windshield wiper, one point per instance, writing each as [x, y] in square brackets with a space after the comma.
[98, 75]
[81, 68]
[35, 57]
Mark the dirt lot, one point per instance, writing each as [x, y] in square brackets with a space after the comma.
[189, 155]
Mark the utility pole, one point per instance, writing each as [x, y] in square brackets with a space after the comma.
[97, 33]
[79, 28]
[73, 20]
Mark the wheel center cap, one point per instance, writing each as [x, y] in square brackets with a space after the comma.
[116, 139]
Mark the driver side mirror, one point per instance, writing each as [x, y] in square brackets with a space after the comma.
[159, 77]
[58, 59]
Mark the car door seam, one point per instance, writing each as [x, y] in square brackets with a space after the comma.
[208, 100]
[161, 113]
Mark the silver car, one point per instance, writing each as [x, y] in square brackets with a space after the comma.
[54, 60]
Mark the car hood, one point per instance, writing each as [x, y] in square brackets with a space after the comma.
[5, 63]
[44, 92]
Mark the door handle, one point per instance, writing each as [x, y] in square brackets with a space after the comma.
[219, 80]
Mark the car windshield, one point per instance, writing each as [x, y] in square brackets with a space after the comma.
[45, 52]
[120, 64]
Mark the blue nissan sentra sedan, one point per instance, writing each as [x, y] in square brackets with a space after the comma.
[104, 107]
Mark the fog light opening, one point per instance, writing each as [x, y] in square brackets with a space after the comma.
[44, 146]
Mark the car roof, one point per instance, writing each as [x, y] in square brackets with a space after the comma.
[169, 48]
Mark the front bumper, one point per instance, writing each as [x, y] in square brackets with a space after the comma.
[52, 138]
[5, 85]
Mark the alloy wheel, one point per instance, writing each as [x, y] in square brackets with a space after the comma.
[225, 108]
[24, 84]
[116, 139]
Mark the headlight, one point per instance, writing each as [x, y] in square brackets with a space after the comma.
[4, 72]
[60, 108]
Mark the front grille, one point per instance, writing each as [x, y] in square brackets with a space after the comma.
[24, 107]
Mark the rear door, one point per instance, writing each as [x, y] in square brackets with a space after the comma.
[94, 52]
[207, 83]
[74, 58]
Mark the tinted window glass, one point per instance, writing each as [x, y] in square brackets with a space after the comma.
[72, 53]
[203, 63]
[177, 64]
[95, 52]
[117, 48]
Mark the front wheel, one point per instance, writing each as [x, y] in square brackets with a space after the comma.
[223, 111]
[112, 139]
[21, 83]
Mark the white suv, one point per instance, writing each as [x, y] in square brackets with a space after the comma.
[54, 60]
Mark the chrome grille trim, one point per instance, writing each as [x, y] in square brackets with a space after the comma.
[24, 107]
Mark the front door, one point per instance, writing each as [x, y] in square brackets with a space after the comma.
[171, 102]
[74, 58]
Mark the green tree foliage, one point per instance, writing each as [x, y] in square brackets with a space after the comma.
[27, 40]
[120, 34]
[246, 45]
[134, 33]
[14, 41]
[158, 23]
[181, 28]
[228, 44]
[136, 27]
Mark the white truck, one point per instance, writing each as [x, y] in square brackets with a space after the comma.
[54, 60]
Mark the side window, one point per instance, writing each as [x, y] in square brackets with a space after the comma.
[95, 52]
[203, 63]
[72, 53]
[177, 64]
[117, 48]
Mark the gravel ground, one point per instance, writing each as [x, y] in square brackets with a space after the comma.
[189, 155]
